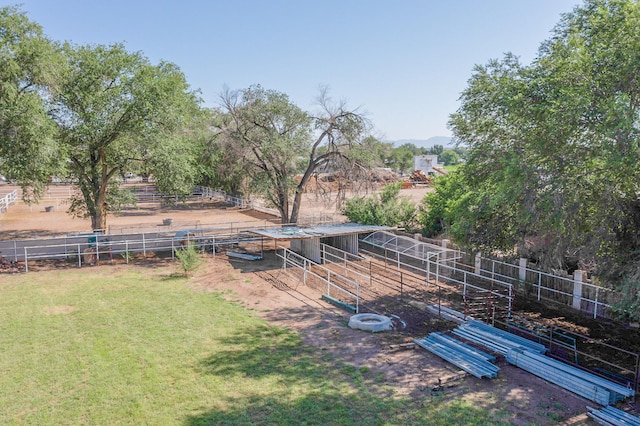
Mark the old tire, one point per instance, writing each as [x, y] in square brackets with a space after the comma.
[370, 322]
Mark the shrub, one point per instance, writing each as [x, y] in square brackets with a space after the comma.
[189, 259]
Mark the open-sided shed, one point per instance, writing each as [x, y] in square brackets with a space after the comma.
[306, 240]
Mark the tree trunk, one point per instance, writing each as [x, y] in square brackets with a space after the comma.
[297, 198]
[297, 201]
[99, 218]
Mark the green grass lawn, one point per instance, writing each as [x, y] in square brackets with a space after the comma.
[137, 346]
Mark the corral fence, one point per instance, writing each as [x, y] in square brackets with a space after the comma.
[378, 279]
[575, 290]
[85, 251]
[405, 273]
[596, 356]
[480, 294]
[335, 287]
[209, 238]
[8, 200]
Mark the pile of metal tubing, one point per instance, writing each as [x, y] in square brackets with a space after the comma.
[612, 416]
[497, 340]
[587, 385]
[466, 357]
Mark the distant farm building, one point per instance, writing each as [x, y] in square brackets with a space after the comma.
[428, 164]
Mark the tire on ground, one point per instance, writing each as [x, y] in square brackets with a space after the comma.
[370, 322]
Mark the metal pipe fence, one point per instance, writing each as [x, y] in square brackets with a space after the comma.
[444, 270]
[8, 200]
[338, 287]
[91, 248]
[593, 299]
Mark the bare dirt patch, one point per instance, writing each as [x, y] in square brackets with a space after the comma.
[286, 301]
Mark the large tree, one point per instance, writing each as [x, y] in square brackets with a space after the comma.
[276, 140]
[29, 70]
[554, 146]
[116, 112]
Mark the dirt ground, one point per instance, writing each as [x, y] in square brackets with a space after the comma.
[285, 301]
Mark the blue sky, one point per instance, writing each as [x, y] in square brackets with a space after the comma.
[402, 62]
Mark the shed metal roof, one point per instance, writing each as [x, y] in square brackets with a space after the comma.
[321, 231]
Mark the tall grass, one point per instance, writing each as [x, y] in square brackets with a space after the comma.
[138, 346]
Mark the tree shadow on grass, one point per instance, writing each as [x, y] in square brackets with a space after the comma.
[324, 393]
[302, 386]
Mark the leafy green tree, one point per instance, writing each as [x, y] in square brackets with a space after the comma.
[554, 146]
[30, 67]
[449, 157]
[372, 153]
[435, 150]
[115, 111]
[276, 140]
[385, 208]
[439, 209]
[402, 157]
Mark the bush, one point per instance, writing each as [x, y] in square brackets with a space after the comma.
[386, 208]
[189, 259]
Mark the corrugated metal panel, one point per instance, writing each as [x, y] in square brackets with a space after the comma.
[348, 243]
[311, 249]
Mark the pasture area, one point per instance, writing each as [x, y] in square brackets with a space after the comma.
[139, 345]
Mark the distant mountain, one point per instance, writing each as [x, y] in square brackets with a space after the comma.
[426, 143]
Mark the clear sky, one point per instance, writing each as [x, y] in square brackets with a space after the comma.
[403, 62]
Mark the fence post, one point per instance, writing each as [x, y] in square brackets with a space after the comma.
[345, 263]
[304, 264]
[577, 289]
[445, 261]
[464, 283]
[522, 269]
[428, 277]
[478, 263]
[539, 285]
[26, 262]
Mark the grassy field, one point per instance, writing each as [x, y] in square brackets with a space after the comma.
[139, 346]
